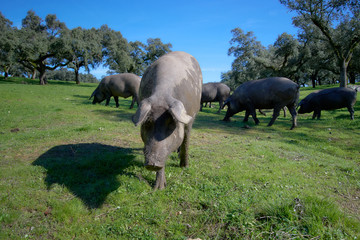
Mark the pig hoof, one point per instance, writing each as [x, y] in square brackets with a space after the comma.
[160, 179]
[159, 185]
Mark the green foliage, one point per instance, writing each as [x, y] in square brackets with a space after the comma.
[40, 46]
[64, 74]
[8, 43]
[116, 50]
[327, 43]
[143, 55]
[133, 57]
[338, 25]
[70, 169]
[83, 49]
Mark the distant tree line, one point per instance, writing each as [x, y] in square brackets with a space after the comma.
[64, 74]
[41, 46]
[326, 50]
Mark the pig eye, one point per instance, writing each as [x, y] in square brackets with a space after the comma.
[171, 124]
[148, 124]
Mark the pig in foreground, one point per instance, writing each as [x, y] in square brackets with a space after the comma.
[268, 93]
[214, 92]
[119, 85]
[329, 99]
[170, 93]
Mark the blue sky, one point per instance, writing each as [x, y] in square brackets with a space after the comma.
[199, 27]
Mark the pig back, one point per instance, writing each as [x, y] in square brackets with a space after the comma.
[123, 85]
[268, 93]
[174, 75]
[333, 98]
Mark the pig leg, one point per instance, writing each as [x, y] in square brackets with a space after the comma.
[317, 113]
[276, 113]
[183, 153]
[351, 111]
[261, 112]
[160, 179]
[107, 101]
[314, 114]
[247, 114]
[116, 101]
[132, 102]
[252, 111]
[228, 115]
[293, 113]
[221, 106]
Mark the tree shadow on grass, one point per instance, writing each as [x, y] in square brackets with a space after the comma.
[88, 170]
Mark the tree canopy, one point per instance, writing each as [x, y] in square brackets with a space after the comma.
[45, 45]
[326, 49]
[338, 25]
[7, 45]
[40, 46]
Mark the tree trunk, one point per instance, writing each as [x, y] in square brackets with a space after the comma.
[352, 77]
[42, 71]
[343, 77]
[33, 76]
[77, 76]
[297, 78]
[313, 80]
[42, 78]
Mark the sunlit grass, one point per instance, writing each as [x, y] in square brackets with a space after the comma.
[73, 170]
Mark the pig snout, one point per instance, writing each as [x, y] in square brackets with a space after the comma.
[153, 163]
[153, 166]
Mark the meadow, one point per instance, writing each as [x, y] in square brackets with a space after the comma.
[73, 170]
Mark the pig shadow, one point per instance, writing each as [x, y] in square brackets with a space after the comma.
[88, 170]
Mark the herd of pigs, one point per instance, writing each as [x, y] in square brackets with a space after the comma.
[170, 93]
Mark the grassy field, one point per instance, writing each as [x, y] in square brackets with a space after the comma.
[73, 170]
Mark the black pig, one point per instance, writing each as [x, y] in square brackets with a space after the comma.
[119, 85]
[268, 93]
[213, 92]
[328, 99]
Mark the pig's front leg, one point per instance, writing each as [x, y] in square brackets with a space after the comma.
[160, 179]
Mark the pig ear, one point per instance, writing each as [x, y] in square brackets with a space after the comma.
[142, 112]
[94, 92]
[178, 111]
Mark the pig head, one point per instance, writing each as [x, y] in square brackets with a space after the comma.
[162, 129]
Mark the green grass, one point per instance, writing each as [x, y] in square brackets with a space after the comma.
[73, 170]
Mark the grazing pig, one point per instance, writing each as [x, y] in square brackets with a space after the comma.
[329, 99]
[119, 85]
[170, 93]
[269, 93]
[213, 92]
